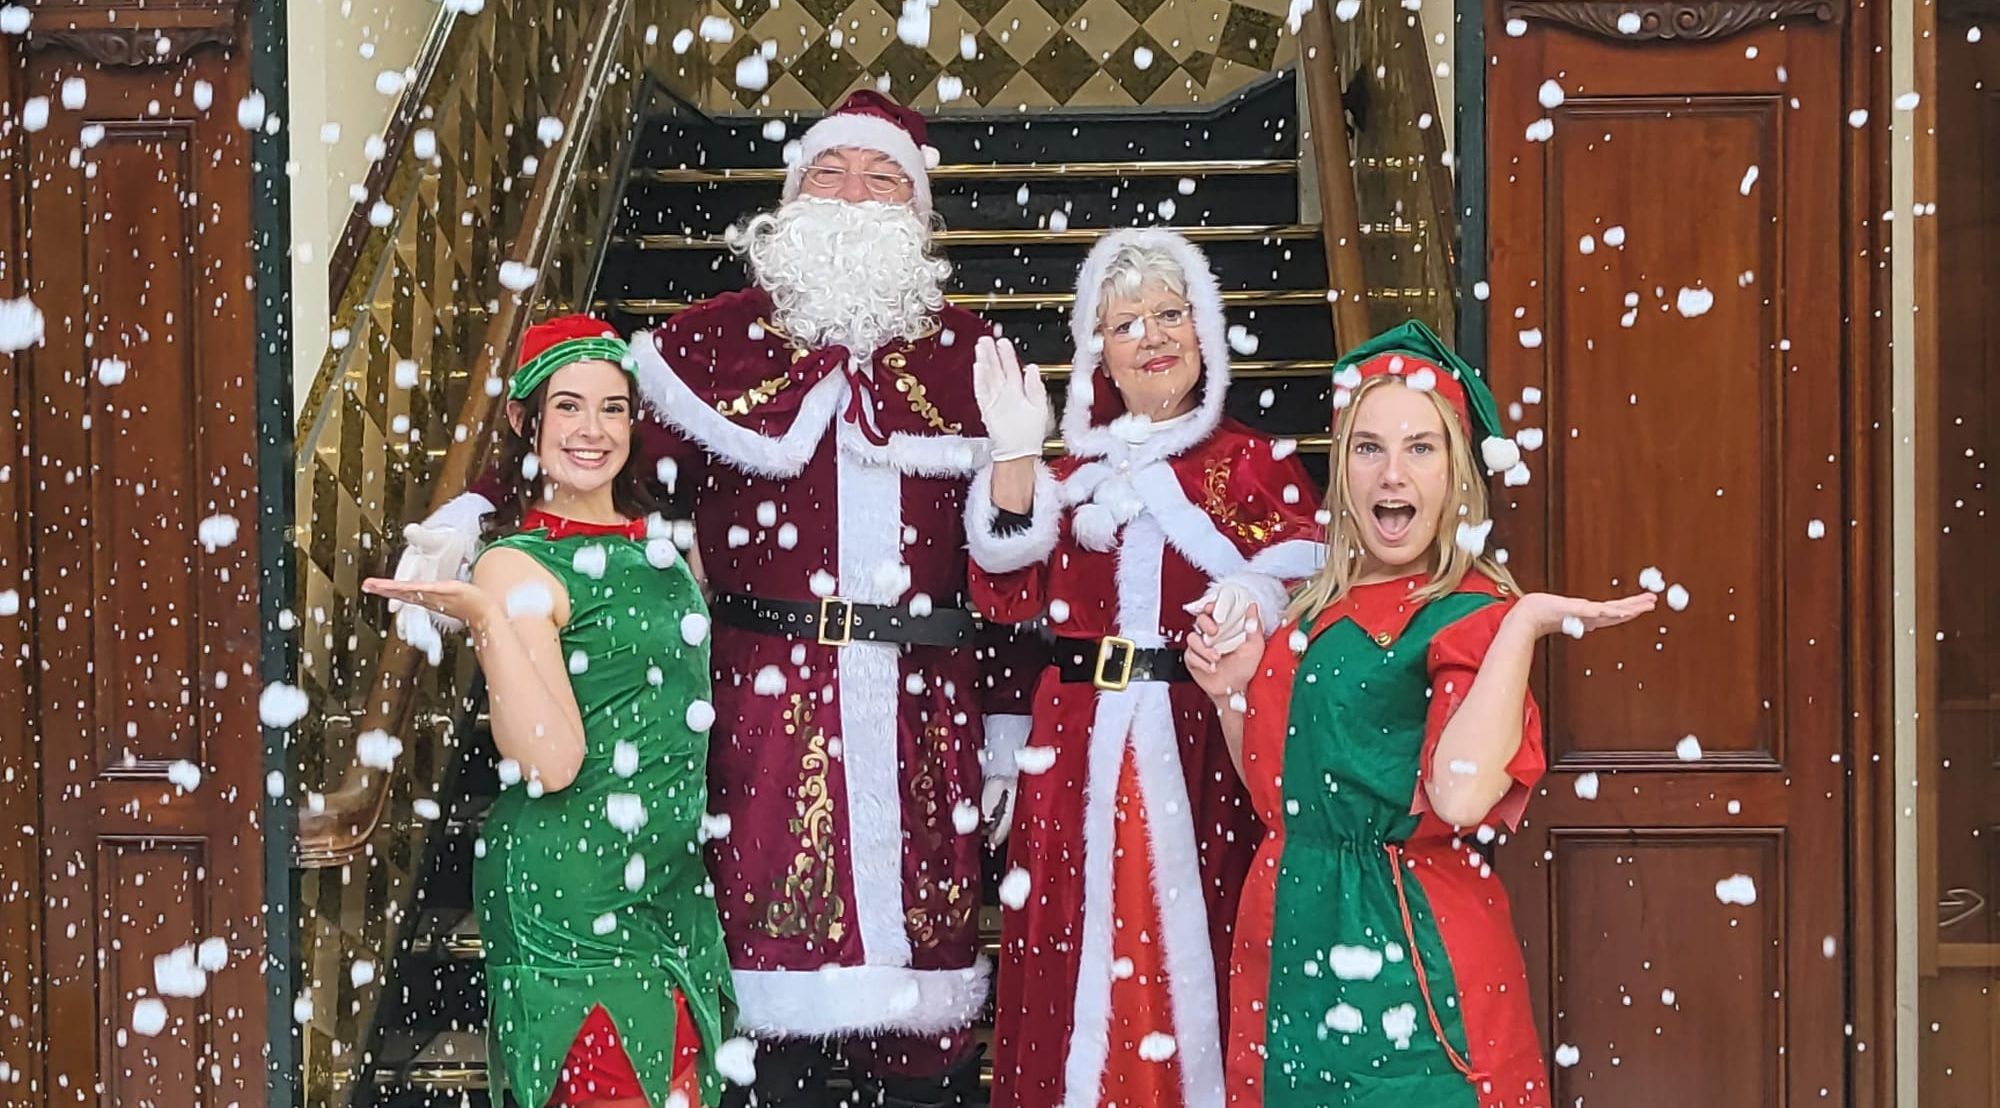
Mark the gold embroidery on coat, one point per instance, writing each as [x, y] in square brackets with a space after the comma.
[807, 903]
[920, 401]
[1218, 503]
[756, 398]
[928, 923]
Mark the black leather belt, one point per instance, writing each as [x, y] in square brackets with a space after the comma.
[836, 621]
[1112, 663]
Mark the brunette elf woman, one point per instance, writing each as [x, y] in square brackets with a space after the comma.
[605, 970]
[1387, 720]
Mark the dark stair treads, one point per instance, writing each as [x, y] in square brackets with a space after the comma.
[1257, 124]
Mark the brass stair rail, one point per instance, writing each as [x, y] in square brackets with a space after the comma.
[1333, 165]
[337, 830]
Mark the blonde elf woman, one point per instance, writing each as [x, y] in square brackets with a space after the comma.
[1386, 722]
[1131, 834]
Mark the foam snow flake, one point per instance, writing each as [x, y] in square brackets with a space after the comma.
[770, 681]
[1737, 888]
[1692, 302]
[1241, 340]
[20, 324]
[590, 560]
[1586, 786]
[625, 811]
[1652, 580]
[1014, 888]
[14, 19]
[176, 973]
[965, 817]
[281, 705]
[700, 716]
[149, 1016]
[1567, 1056]
[1550, 94]
[1688, 749]
[1157, 1046]
[1355, 963]
[753, 72]
[216, 532]
[736, 1060]
[184, 775]
[1035, 759]
[1345, 1018]
[516, 277]
[1400, 1024]
[377, 749]
[635, 872]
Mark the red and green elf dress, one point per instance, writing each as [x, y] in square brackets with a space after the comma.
[1376, 963]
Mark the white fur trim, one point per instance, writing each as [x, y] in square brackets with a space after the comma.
[863, 132]
[857, 1000]
[1005, 737]
[917, 455]
[1080, 437]
[1291, 560]
[870, 511]
[761, 455]
[1090, 1028]
[998, 553]
[1191, 529]
[1183, 909]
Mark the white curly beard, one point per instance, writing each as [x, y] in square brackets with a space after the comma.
[857, 275]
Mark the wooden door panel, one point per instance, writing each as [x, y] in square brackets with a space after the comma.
[1637, 455]
[144, 622]
[145, 484]
[1677, 972]
[1691, 388]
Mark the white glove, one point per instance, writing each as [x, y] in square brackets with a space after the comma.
[1012, 402]
[1227, 605]
[996, 805]
[439, 549]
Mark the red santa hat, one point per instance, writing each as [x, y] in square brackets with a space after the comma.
[868, 120]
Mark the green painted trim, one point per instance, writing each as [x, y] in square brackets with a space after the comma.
[271, 244]
[1469, 62]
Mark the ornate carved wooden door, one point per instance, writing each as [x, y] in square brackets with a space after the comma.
[132, 898]
[1667, 309]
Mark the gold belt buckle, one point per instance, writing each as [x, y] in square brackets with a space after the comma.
[827, 606]
[1105, 647]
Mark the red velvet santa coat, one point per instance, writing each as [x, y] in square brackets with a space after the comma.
[1201, 500]
[848, 896]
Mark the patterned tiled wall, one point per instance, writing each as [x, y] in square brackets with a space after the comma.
[1024, 54]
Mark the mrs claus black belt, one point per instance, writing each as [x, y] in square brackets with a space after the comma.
[1113, 662]
[837, 621]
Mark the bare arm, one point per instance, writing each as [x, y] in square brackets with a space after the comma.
[1226, 677]
[535, 718]
[1468, 771]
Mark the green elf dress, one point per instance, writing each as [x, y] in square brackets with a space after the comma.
[596, 895]
[1376, 961]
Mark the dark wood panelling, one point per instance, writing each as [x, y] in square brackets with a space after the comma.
[1704, 443]
[1665, 974]
[147, 643]
[153, 888]
[145, 486]
[1663, 449]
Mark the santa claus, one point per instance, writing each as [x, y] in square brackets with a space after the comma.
[821, 428]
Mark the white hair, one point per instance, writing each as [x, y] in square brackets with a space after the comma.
[1135, 267]
[855, 274]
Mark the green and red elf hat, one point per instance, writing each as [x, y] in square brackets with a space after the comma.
[565, 340]
[1413, 352]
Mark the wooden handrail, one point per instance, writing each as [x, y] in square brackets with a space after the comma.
[336, 831]
[1333, 165]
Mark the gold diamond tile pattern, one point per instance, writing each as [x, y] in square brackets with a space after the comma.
[1026, 53]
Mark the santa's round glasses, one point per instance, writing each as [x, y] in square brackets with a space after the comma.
[830, 178]
[1132, 329]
